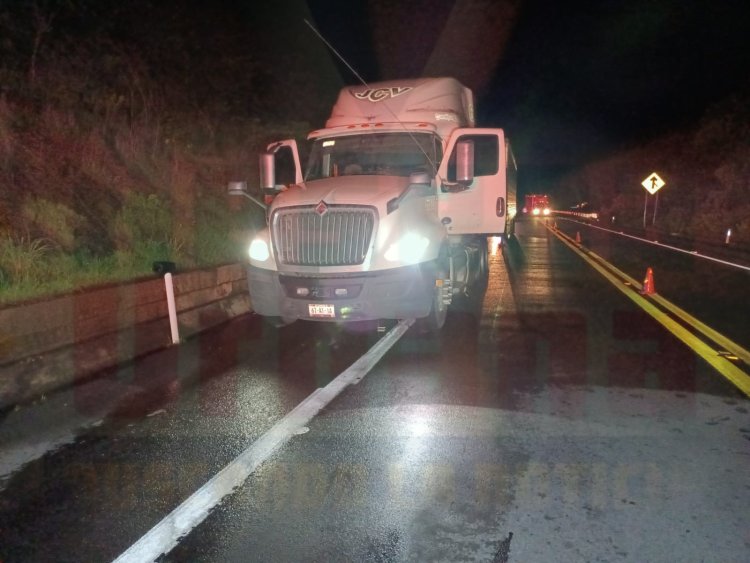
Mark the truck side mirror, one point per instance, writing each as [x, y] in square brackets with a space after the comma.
[240, 188]
[465, 162]
[267, 167]
[237, 188]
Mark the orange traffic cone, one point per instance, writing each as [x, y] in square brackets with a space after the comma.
[578, 237]
[648, 283]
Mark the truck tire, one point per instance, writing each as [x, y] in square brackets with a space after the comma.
[470, 300]
[484, 263]
[435, 320]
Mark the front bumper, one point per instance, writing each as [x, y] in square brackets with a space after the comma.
[397, 293]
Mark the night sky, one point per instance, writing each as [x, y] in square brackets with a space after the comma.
[569, 81]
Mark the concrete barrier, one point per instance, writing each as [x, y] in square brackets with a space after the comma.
[53, 343]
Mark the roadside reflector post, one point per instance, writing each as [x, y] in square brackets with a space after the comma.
[171, 307]
[729, 235]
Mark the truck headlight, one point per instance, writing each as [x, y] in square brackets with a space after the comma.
[408, 250]
[259, 250]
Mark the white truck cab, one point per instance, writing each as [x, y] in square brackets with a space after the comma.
[390, 217]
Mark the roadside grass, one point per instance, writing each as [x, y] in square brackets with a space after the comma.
[144, 231]
[119, 197]
[32, 269]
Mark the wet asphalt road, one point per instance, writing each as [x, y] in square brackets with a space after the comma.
[549, 421]
[714, 293]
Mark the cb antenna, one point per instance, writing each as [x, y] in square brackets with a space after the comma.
[362, 80]
[335, 52]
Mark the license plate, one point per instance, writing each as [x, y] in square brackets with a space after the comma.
[318, 310]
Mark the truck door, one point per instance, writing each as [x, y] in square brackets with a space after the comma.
[476, 203]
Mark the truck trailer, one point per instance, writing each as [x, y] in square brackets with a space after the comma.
[390, 217]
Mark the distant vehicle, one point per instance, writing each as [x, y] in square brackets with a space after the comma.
[537, 204]
[392, 216]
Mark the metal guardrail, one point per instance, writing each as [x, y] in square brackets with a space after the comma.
[736, 257]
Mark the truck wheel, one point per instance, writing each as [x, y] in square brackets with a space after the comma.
[439, 311]
[470, 299]
[484, 263]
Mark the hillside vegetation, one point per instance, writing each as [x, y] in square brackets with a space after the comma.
[707, 173]
[120, 125]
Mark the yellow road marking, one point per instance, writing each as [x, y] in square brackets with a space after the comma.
[625, 283]
[707, 331]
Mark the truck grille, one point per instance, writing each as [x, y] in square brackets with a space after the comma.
[339, 236]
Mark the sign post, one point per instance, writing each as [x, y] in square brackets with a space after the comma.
[653, 184]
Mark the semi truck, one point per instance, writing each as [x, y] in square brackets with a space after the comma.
[391, 215]
[537, 204]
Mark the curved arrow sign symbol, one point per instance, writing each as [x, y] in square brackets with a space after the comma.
[653, 183]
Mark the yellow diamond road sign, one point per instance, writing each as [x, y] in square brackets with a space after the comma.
[653, 183]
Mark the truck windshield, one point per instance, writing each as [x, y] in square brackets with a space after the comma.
[391, 154]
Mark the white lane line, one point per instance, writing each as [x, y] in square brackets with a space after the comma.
[163, 537]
